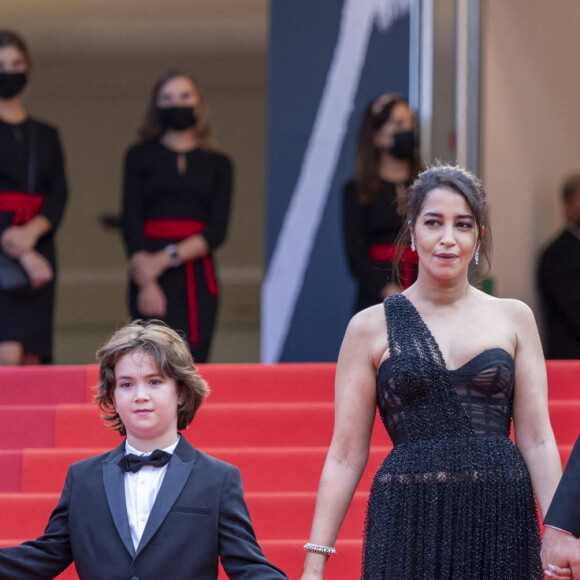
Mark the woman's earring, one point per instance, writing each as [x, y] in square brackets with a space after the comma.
[412, 243]
[476, 257]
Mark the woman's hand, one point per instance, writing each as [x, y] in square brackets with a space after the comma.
[151, 301]
[37, 267]
[17, 240]
[146, 267]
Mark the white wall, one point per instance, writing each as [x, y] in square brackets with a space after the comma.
[530, 129]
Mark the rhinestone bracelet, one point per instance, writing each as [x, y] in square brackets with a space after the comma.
[316, 549]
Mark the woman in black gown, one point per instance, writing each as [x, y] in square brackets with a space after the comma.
[33, 195]
[176, 204]
[448, 367]
[387, 161]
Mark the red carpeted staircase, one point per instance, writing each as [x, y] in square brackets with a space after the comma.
[273, 421]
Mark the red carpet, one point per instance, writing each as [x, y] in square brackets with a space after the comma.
[273, 421]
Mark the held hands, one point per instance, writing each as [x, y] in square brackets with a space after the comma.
[151, 301]
[37, 267]
[560, 555]
[16, 240]
[146, 267]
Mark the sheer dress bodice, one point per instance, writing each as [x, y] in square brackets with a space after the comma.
[483, 387]
[419, 398]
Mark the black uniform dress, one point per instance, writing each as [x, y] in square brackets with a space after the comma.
[366, 225]
[28, 318]
[453, 499]
[558, 283]
[156, 193]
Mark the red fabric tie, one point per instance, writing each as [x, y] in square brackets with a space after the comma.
[179, 229]
[388, 253]
[24, 206]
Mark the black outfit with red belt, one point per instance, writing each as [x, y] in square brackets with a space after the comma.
[370, 232]
[163, 206]
[28, 318]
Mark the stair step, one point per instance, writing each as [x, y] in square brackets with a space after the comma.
[81, 425]
[229, 382]
[284, 382]
[274, 515]
[27, 426]
[41, 385]
[220, 425]
[563, 379]
[271, 469]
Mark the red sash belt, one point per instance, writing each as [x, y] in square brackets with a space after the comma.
[388, 253]
[179, 229]
[23, 205]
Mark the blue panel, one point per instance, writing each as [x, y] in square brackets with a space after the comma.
[303, 40]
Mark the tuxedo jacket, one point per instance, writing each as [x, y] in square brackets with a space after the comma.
[564, 511]
[199, 515]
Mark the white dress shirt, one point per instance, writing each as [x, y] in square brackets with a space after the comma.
[141, 490]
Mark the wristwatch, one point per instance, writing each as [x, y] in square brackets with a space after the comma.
[171, 249]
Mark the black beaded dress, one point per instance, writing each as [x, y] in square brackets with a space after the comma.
[160, 206]
[453, 499]
[27, 318]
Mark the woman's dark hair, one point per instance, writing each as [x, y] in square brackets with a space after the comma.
[366, 176]
[152, 126]
[460, 181]
[11, 38]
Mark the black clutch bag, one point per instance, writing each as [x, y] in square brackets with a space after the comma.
[13, 277]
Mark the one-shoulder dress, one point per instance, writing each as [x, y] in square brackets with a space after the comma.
[453, 499]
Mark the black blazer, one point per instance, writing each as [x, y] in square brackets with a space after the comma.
[199, 515]
[558, 283]
[564, 511]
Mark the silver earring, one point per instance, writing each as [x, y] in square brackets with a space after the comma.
[412, 243]
[476, 257]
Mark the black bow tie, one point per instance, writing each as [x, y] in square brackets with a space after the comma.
[134, 463]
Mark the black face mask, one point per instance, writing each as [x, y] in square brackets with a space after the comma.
[12, 84]
[178, 118]
[403, 145]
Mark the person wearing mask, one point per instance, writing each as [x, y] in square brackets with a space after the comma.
[176, 205]
[33, 194]
[559, 281]
[386, 163]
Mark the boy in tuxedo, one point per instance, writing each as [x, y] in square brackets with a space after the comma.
[155, 507]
